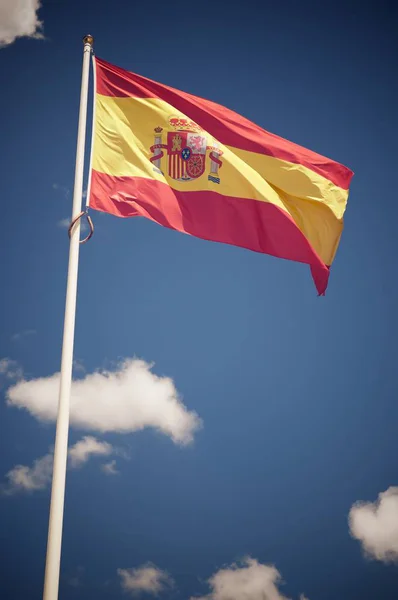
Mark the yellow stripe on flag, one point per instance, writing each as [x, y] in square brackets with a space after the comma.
[124, 134]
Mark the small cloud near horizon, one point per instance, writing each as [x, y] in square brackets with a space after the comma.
[147, 579]
[375, 525]
[23, 478]
[249, 579]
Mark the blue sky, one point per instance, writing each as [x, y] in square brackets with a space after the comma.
[290, 399]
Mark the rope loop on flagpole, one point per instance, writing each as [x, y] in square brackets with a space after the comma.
[90, 224]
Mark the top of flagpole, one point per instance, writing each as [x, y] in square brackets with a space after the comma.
[88, 39]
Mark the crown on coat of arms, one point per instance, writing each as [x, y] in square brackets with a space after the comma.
[181, 124]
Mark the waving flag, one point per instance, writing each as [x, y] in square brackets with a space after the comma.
[197, 167]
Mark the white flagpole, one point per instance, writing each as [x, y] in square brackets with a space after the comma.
[53, 558]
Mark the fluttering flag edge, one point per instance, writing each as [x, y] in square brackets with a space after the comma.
[121, 202]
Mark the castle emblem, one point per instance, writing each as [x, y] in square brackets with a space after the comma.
[187, 150]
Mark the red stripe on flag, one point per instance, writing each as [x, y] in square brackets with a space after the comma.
[251, 224]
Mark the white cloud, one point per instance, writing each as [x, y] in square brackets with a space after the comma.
[250, 580]
[22, 478]
[28, 479]
[147, 578]
[128, 399]
[375, 525]
[10, 369]
[86, 447]
[110, 468]
[18, 18]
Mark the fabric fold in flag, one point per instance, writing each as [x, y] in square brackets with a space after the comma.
[195, 166]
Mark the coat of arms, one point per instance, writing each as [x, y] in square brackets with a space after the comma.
[186, 147]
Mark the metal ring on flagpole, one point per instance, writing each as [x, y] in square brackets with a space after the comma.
[90, 224]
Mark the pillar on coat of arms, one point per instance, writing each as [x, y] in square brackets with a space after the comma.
[215, 163]
[157, 152]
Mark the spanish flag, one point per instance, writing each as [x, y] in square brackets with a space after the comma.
[197, 167]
